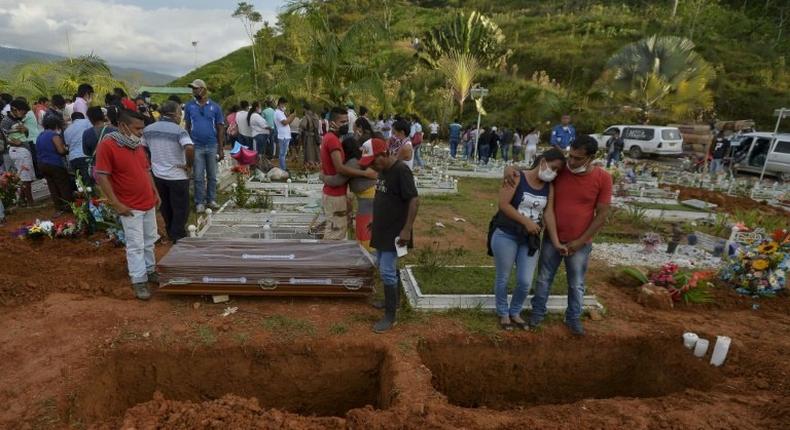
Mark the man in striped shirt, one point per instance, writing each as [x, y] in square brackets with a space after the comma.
[172, 154]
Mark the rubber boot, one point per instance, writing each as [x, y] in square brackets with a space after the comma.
[379, 304]
[391, 302]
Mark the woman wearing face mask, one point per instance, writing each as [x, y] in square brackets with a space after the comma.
[515, 233]
[258, 126]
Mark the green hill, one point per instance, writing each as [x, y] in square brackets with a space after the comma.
[559, 50]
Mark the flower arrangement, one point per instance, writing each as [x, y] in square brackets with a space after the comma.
[242, 196]
[651, 241]
[9, 188]
[688, 286]
[760, 268]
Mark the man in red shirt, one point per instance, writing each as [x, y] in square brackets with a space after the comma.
[582, 195]
[124, 176]
[335, 202]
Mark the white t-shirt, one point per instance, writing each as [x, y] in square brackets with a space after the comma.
[295, 125]
[517, 140]
[258, 124]
[434, 128]
[241, 122]
[532, 141]
[352, 118]
[409, 163]
[283, 131]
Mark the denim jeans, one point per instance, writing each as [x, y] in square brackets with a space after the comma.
[716, 164]
[205, 174]
[453, 147]
[282, 150]
[485, 152]
[139, 229]
[505, 151]
[614, 156]
[507, 251]
[2, 211]
[575, 268]
[387, 262]
[469, 153]
[417, 160]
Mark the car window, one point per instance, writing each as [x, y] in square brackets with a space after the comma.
[638, 133]
[610, 131]
[782, 147]
[670, 134]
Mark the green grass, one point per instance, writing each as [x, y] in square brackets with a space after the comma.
[206, 335]
[338, 329]
[287, 327]
[473, 280]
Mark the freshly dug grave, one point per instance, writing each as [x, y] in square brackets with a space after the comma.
[538, 371]
[726, 203]
[311, 381]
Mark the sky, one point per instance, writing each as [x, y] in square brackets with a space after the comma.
[146, 34]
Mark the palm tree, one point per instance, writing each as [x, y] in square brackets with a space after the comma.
[461, 47]
[474, 34]
[46, 78]
[459, 70]
[659, 74]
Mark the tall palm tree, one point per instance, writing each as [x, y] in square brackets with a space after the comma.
[459, 70]
[462, 46]
[659, 74]
[474, 34]
[64, 76]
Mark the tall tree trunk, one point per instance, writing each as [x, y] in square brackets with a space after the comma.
[675, 8]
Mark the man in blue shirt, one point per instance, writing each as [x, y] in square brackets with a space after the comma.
[455, 136]
[78, 160]
[562, 135]
[206, 126]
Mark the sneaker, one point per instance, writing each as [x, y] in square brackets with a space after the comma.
[141, 291]
[153, 278]
[213, 205]
[575, 327]
[200, 209]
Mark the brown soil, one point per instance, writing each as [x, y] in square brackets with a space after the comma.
[93, 357]
[725, 202]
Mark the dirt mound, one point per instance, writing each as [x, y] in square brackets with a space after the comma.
[31, 269]
[727, 203]
[228, 412]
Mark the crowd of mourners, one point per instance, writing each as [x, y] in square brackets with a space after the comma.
[145, 157]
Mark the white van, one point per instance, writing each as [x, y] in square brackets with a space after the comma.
[750, 152]
[645, 139]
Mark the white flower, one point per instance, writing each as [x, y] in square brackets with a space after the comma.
[89, 189]
[80, 189]
[47, 226]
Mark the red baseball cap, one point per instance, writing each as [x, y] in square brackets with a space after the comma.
[370, 149]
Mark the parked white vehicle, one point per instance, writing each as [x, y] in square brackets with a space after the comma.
[750, 152]
[645, 139]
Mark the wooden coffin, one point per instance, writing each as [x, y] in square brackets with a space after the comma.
[256, 267]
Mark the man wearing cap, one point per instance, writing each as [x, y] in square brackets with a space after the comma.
[172, 155]
[206, 126]
[394, 211]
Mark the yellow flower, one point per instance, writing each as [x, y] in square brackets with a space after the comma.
[768, 248]
[760, 264]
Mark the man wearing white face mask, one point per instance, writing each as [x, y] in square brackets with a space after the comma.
[582, 195]
[124, 176]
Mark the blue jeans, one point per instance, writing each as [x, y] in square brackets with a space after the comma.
[485, 152]
[469, 153]
[282, 150]
[417, 160]
[614, 156]
[716, 164]
[387, 262]
[575, 268]
[205, 174]
[507, 251]
[453, 147]
[139, 231]
[505, 151]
